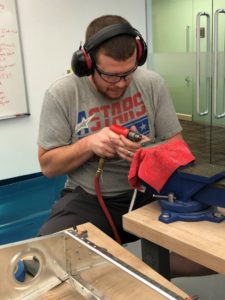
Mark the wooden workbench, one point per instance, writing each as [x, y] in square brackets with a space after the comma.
[64, 291]
[202, 242]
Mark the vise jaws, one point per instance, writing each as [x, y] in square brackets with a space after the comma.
[193, 193]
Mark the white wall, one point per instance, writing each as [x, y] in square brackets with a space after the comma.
[51, 31]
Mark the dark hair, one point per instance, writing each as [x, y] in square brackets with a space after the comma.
[119, 47]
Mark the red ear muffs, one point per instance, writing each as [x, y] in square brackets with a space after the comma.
[82, 63]
[139, 49]
[87, 58]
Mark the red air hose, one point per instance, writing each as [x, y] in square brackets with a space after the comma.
[102, 203]
[133, 136]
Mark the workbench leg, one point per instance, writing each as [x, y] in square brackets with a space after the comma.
[156, 257]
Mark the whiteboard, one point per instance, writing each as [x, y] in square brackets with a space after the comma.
[13, 93]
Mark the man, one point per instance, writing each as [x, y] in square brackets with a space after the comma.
[106, 87]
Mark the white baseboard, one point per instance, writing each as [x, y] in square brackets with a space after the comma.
[184, 117]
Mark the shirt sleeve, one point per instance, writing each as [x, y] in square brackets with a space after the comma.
[166, 120]
[54, 128]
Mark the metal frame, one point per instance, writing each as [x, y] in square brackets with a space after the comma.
[69, 256]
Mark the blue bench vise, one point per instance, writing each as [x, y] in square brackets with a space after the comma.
[193, 193]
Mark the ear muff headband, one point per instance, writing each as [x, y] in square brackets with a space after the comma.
[82, 63]
[107, 33]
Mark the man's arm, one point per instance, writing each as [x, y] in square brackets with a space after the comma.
[105, 143]
[61, 160]
[64, 159]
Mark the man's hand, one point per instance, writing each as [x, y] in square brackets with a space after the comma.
[108, 144]
[101, 143]
[126, 148]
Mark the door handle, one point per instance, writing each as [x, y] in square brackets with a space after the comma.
[198, 65]
[188, 80]
[215, 66]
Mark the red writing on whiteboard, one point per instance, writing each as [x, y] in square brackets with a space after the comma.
[7, 56]
[3, 99]
[5, 75]
[2, 6]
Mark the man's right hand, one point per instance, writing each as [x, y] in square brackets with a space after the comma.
[102, 144]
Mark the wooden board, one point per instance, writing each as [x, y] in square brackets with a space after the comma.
[202, 242]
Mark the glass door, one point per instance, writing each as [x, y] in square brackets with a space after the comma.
[186, 46]
[218, 84]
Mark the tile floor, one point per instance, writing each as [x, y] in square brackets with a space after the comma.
[207, 144]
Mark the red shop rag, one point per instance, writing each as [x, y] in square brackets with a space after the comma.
[155, 165]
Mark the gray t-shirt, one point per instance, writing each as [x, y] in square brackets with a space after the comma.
[73, 109]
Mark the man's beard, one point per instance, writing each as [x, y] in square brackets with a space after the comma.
[105, 93]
